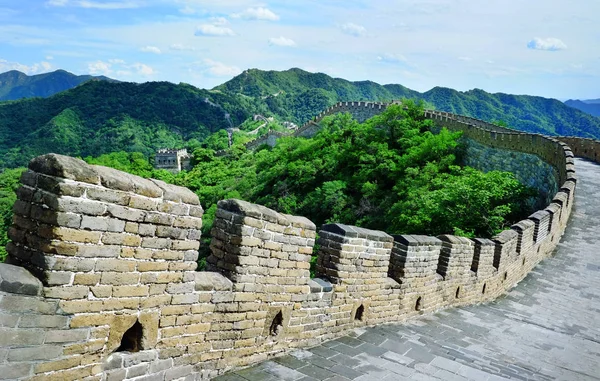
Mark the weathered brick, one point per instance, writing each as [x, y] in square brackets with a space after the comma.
[66, 335]
[132, 227]
[108, 195]
[171, 232]
[115, 265]
[99, 251]
[10, 336]
[15, 371]
[156, 243]
[121, 239]
[152, 266]
[79, 306]
[126, 291]
[43, 321]
[144, 203]
[46, 352]
[188, 222]
[86, 279]
[67, 234]
[67, 363]
[159, 218]
[119, 279]
[185, 245]
[58, 278]
[67, 293]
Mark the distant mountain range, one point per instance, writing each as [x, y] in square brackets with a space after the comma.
[591, 106]
[591, 101]
[16, 85]
[97, 117]
[298, 95]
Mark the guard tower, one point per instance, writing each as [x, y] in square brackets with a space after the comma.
[173, 160]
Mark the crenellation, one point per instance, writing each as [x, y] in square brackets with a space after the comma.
[113, 259]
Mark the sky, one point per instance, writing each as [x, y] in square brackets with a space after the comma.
[549, 48]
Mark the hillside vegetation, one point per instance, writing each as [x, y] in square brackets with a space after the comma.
[99, 117]
[389, 173]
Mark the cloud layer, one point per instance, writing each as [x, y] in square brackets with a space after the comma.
[550, 44]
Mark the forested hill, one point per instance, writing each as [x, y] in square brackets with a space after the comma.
[299, 95]
[100, 117]
[17, 85]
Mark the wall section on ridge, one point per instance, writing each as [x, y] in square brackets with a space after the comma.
[115, 294]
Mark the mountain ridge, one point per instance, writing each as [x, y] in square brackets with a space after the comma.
[98, 117]
[589, 107]
[16, 85]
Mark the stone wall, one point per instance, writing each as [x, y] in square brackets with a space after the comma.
[114, 294]
[528, 168]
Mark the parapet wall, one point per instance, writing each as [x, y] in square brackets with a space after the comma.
[115, 295]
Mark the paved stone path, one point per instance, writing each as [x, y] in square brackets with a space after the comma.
[546, 328]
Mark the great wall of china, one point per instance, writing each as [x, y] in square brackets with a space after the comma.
[101, 281]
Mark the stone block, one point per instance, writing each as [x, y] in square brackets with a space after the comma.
[125, 213]
[15, 371]
[42, 352]
[43, 321]
[66, 336]
[66, 293]
[209, 281]
[177, 194]
[66, 167]
[17, 280]
[107, 195]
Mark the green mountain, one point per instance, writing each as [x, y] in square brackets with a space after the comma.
[299, 95]
[16, 85]
[99, 117]
[590, 107]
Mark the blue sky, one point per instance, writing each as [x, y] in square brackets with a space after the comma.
[539, 47]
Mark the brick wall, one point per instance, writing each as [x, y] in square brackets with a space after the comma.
[101, 259]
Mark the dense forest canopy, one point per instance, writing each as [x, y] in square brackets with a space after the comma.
[389, 173]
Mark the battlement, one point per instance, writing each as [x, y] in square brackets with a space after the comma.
[101, 280]
[173, 160]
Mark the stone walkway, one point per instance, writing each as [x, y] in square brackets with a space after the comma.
[546, 328]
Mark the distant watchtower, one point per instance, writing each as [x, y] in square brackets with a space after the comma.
[173, 160]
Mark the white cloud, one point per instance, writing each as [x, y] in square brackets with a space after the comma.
[49, 58]
[282, 41]
[219, 69]
[57, 3]
[187, 10]
[354, 29]
[36, 68]
[465, 58]
[258, 13]
[143, 69]
[550, 44]
[99, 68]
[109, 5]
[392, 58]
[219, 21]
[213, 30]
[121, 67]
[182, 47]
[150, 49]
